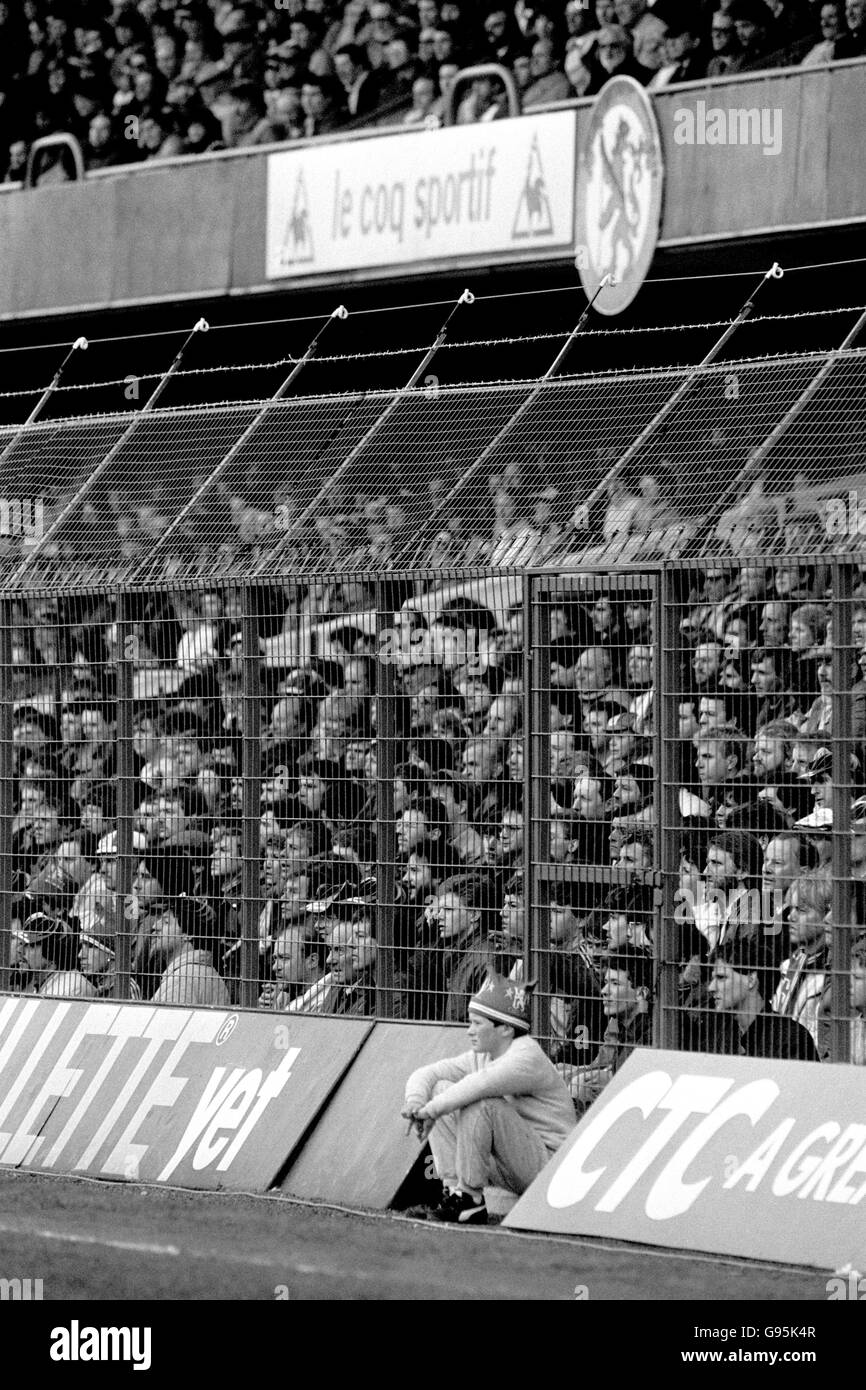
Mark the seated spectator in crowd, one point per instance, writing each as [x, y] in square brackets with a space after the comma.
[101, 149]
[771, 682]
[464, 910]
[852, 43]
[49, 949]
[752, 21]
[502, 38]
[377, 53]
[360, 86]
[726, 784]
[803, 974]
[247, 124]
[742, 986]
[494, 1115]
[629, 924]
[16, 163]
[646, 31]
[296, 961]
[173, 926]
[421, 112]
[626, 997]
[684, 58]
[351, 963]
[592, 805]
[397, 76]
[772, 754]
[549, 82]
[485, 102]
[97, 957]
[725, 44]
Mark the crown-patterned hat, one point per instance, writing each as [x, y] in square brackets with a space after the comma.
[505, 1001]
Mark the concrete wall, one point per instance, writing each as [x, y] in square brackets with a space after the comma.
[196, 228]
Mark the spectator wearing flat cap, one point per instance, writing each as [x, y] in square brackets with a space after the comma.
[495, 1114]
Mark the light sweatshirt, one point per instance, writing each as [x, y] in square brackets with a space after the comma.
[523, 1076]
[190, 979]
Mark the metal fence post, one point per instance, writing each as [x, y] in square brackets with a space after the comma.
[386, 729]
[7, 788]
[842, 743]
[536, 775]
[667, 807]
[251, 773]
[126, 915]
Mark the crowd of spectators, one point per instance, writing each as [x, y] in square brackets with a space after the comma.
[159, 78]
[750, 767]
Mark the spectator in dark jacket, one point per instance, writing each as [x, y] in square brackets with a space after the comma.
[852, 44]
[742, 985]
[360, 86]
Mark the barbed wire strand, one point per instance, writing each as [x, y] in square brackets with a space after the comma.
[410, 351]
[434, 304]
[632, 373]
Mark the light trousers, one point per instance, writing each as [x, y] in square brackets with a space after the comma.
[486, 1144]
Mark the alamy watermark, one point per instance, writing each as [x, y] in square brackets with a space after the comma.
[77, 1343]
[847, 1284]
[752, 907]
[22, 516]
[845, 516]
[21, 1291]
[733, 125]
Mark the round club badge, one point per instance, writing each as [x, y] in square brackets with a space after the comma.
[619, 194]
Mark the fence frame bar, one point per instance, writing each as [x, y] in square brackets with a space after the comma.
[386, 867]
[126, 915]
[536, 755]
[7, 787]
[251, 773]
[841, 744]
[665, 731]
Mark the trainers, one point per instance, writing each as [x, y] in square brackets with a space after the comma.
[460, 1207]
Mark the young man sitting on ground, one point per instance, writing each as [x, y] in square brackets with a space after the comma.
[494, 1115]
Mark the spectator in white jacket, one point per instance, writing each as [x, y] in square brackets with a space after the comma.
[494, 1115]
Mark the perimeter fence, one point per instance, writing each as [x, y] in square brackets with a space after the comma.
[332, 703]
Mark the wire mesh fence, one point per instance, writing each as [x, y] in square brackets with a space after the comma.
[756, 456]
[641, 788]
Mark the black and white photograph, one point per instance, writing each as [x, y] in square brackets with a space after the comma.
[432, 672]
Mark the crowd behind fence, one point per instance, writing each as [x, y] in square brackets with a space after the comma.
[146, 81]
[641, 789]
[760, 456]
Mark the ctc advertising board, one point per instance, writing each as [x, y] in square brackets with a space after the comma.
[201, 1098]
[499, 189]
[726, 1154]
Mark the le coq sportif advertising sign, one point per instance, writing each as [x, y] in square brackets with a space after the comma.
[397, 200]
